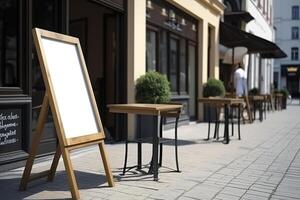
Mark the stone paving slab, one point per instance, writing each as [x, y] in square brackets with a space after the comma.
[265, 164]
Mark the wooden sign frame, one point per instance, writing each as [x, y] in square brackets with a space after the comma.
[66, 144]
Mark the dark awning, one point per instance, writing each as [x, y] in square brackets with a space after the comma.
[238, 16]
[231, 36]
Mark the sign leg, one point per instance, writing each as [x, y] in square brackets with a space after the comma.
[54, 164]
[107, 168]
[35, 144]
[71, 176]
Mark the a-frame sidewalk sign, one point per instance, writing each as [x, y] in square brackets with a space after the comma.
[70, 96]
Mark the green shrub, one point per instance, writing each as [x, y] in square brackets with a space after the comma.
[152, 87]
[284, 92]
[254, 91]
[275, 91]
[213, 88]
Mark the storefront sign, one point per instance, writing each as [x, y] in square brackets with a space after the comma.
[10, 130]
[290, 70]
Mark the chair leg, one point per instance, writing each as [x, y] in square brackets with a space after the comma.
[176, 145]
[126, 154]
[160, 145]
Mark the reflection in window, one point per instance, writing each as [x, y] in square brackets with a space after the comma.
[43, 16]
[151, 51]
[295, 53]
[192, 81]
[8, 44]
[163, 52]
[173, 64]
[183, 68]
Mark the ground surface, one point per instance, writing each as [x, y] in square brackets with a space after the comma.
[265, 164]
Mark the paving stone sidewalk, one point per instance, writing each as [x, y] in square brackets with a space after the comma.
[265, 164]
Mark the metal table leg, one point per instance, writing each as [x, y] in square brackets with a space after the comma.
[226, 128]
[209, 119]
[126, 154]
[176, 145]
[161, 145]
[155, 142]
[260, 111]
[139, 152]
[239, 121]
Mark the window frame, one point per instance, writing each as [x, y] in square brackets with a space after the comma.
[294, 53]
[23, 36]
[295, 12]
[295, 32]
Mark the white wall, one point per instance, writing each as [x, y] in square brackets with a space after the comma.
[262, 27]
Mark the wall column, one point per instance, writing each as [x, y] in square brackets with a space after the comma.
[136, 50]
[214, 53]
[202, 62]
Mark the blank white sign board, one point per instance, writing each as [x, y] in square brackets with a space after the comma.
[70, 88]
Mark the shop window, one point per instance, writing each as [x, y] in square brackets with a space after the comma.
[192, 79]
[9, 44]
[295, 53]
[151, 54]
[295, 12]
[45, 16]
[295, 33]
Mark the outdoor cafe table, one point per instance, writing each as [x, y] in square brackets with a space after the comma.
[227, 103]
[278, 101]
[257, 99]
[157, 110]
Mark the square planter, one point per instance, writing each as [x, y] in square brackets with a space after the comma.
[210, 113]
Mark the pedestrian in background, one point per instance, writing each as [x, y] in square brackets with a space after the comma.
[240, 81]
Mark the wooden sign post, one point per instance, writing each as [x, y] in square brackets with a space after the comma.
[68, 88]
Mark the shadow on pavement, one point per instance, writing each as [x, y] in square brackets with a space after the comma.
[10, 185]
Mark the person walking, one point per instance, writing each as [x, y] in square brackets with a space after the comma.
[240, 81]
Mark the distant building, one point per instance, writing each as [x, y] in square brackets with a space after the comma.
[287, 22]
[259, 69]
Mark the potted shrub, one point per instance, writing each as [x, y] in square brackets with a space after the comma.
[212, 88]
[285, 94]
[254, 91]
[152, 87]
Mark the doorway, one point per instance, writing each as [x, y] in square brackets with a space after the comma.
[98, 29]
[293, 85]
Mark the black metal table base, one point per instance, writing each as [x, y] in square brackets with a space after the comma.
[226, 124]
[157, 153]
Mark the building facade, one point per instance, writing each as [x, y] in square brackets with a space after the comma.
[121, 40]
[259, 70]
[287, 23]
